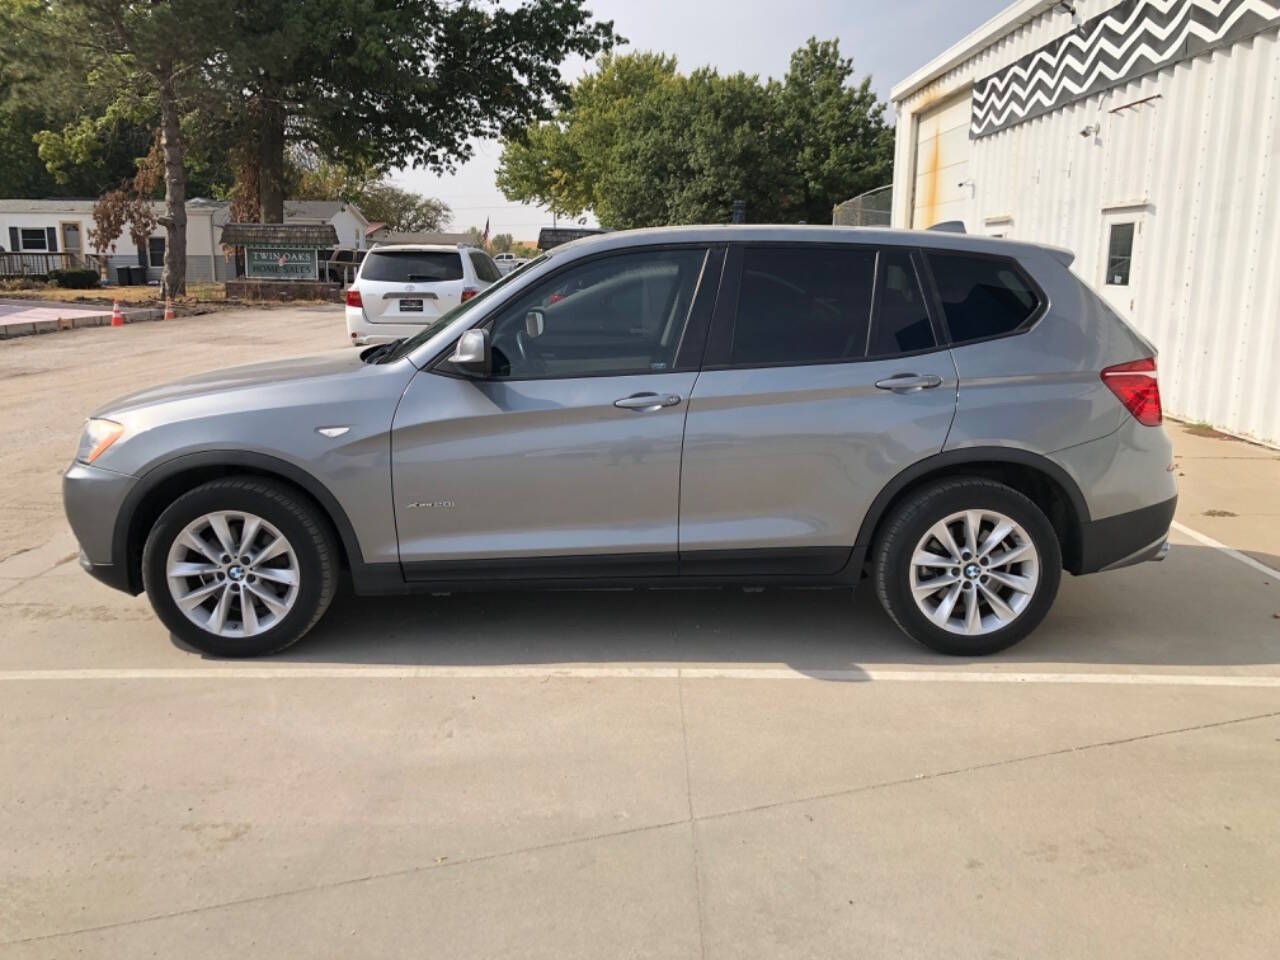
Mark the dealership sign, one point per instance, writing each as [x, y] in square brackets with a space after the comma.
[281, 263]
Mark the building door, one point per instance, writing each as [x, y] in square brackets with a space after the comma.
[942, 188]
[71, 238]
[1120, 274]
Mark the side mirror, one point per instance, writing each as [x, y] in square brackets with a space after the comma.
[473, 354]
[535, 321]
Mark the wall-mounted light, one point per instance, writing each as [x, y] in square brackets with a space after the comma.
[1065, 8]
[1091, 131]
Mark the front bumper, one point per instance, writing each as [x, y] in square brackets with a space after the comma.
[1126, 538]
[92, 498]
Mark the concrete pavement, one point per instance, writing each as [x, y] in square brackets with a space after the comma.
[668, 774]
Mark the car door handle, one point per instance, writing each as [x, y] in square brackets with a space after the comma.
[909, 382]
[647, 402]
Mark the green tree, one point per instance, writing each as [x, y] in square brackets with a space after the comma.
[501, 242]
[126, 56]
[383, 84]
[380, 201]
[404, 210]
[641, 144]
[836, 133]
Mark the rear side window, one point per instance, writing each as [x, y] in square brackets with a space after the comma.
[981, 296]
[407, 266]
[802, 305]
[485, 268]
[901, 323]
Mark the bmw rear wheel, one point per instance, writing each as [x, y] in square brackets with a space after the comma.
[240, 567]
[968, 566]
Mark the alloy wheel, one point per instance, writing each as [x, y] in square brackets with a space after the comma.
[974, 572]
[232, 573]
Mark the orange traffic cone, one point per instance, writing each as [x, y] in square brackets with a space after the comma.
[117, 318]
[168, 309]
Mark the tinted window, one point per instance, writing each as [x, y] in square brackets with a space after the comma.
[485, 268]
[1119, 254]
[981, 296]
[402, 266]
[901, 323]
[798, 305]
[622, 314]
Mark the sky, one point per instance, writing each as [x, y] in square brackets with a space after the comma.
[888, 40]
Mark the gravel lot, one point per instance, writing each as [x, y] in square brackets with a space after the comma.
[599, 775]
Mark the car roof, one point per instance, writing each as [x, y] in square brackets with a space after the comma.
[803, 233]
[416, 248]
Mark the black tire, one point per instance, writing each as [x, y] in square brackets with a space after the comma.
[908, 523]
[294, 514]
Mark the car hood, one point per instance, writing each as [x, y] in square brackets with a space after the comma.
[252, 376]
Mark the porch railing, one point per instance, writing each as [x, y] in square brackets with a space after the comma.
[33, 264]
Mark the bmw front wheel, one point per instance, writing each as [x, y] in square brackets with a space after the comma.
[240, 567]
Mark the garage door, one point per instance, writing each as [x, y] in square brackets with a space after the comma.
[942, 163]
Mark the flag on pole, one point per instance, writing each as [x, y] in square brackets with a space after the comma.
[485, 238]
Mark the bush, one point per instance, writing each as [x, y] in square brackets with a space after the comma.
[74, 279]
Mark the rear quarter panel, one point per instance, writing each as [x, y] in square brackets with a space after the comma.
[1040, 390]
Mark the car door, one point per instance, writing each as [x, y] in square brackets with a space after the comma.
[564, 462]
[823, 379]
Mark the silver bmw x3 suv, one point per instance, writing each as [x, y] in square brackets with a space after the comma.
[957, 418]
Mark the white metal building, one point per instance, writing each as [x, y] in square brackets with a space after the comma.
[1144, 135]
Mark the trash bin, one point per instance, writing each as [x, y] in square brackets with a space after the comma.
[123, 277]
[138, 276]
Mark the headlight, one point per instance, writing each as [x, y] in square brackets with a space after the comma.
[97, 436]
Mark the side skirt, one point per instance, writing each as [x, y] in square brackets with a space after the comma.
[808, 567]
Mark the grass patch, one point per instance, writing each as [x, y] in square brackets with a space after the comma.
[196, 293]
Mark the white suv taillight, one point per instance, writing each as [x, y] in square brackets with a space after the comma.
[1136, 385]
[468, 293]
[353, 298]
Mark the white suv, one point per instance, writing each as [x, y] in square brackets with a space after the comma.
[403, 287]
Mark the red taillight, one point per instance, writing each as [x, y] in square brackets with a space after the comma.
[1136, 385]
[468, 293]
[353, 298]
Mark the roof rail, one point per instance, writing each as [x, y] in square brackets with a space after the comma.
[949, 226]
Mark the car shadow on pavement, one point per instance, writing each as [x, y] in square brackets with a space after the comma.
[1198, 608]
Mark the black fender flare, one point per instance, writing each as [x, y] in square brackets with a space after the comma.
[951, 459]
[228, 461]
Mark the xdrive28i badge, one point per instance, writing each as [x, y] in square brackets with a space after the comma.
[432, 505]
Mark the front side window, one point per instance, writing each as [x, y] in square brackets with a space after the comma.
[412, 266]
[34, 239]
[1119, 254]
[800, 305]
[981, 296]
[616, 315]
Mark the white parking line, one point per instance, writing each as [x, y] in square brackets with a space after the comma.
[1242, 557]
[850, 675]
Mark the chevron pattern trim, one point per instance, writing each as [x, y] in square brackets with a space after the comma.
[1131, 39]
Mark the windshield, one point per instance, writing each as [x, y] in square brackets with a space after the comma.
[405, 347]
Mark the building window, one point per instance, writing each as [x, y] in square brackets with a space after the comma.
[155, 251]
[1119, 254]
[34, 239]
